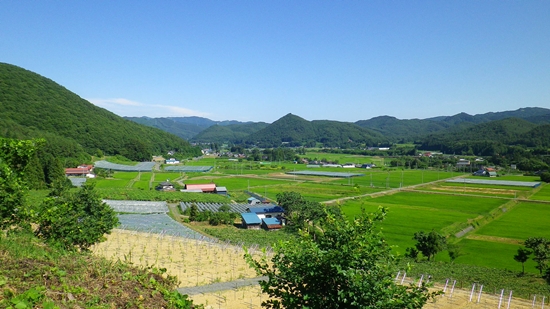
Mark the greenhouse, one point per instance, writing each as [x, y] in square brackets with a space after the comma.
[496, 182]
[140, 167]
[215, 206]
[137, 207]
[158, 224]
[326, 174]
[188, 169]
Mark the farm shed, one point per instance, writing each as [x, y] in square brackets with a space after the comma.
[172, 161]
[82, 170]
[253, 201]
[221, 190]
[271, 224]
[250, 221]
[165, 186]
[267, 212]
[207, 187]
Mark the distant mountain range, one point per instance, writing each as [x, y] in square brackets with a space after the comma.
[507, 126]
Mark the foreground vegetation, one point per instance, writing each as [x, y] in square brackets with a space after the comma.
[36, 275]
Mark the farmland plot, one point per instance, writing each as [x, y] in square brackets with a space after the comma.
[193, 262]
[410, 212]
[521, 222]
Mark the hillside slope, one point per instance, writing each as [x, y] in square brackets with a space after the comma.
[34, 106]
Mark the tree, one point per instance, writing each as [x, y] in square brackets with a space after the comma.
[454, 251]
[77, 220]
[193, 212]
[302, 213]
[541, 251]
[521, 257]
[14, 158]
[545, 177]
[429, 244]
[348, 264]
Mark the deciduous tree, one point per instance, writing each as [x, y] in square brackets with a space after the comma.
[521, 257]
[541, 251]
[14, 157]
[76, 220]
[348, 264]
[429, 244]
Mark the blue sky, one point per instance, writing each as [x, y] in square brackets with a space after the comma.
[259, 60]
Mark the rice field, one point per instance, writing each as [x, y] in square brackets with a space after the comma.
[521, 222]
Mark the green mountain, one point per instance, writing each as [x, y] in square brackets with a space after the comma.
[34, 106]
[189, 127]
[488, 138]
[406, 129]
[223, 133]
[536, 137]
[414, 129]
[183, 130]
[296, 131]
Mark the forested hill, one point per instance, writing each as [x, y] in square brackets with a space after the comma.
[487, 138]
[232, 132]
[296, 131]
[413, 129]
[34, 106]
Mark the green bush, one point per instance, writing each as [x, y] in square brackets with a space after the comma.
[75, 220]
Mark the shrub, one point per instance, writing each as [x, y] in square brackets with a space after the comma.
[76, 221]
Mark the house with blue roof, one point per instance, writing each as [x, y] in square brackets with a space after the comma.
[250, 221]
[267, 211]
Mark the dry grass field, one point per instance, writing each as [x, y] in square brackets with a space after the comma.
[199, 263]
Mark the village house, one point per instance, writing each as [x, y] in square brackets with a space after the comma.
[165, 186]
[81, 170]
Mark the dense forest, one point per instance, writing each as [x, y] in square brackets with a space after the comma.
[295, 131]
[32, 106]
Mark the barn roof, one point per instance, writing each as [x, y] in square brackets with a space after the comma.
[264, 210]
[250, 218]
[207, 187]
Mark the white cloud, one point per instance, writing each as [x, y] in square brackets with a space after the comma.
[126, 107]
[115, 101]
[181, 111]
